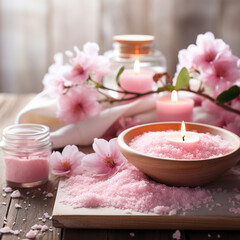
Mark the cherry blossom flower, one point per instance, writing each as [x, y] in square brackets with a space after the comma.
[208, 49]
[54, 81]
[78, 104]
[107, 159]
[219, 70]
[87, 63]
[223, 74]
[68, 163]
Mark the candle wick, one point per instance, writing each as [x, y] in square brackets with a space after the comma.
[183, 138]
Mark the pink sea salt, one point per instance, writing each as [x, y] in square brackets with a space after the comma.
[5, 230]
[176, 235]
[157, 144]
[32, 234]
[8, 189]
[130, 189]
[16, 194]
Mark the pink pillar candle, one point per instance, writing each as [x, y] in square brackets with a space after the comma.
[177, 110]
[136, 80]
[139, 82]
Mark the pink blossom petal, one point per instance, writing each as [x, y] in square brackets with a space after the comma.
[114, 149]
[101, 147]
[93, 163]
[56, 160]
[61, 173]
[91, 48]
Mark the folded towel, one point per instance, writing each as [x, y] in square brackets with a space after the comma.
[42, 110]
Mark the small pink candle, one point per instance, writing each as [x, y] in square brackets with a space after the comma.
[174, 108]
[26, 148]
[183, 138]
[136, 80]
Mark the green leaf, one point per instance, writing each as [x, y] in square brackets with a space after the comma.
[120, 71]
[228, 95]
[182, 79]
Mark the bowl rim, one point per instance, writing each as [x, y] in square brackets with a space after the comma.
[122, 144]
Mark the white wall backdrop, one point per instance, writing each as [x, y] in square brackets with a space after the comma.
[33, 30]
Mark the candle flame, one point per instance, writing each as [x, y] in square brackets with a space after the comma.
[183, 131]
[136, 67]
[174, 96]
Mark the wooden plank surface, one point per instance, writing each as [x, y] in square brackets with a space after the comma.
[216, 218]
[34, 203]
[9, 106]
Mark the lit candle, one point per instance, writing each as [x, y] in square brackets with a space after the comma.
[136, 79]
[183, 138]
[174, 108]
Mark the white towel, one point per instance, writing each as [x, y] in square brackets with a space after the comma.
[42, 110]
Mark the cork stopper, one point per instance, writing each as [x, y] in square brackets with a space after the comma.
[134, 44]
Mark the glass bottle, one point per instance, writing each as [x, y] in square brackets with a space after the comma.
[26, 148]
[129, 48]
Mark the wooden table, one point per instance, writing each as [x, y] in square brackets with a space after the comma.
[34, 203]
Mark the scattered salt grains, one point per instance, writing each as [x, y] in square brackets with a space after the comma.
[4, 194]
[44, 228]
[176, 235]
[131, 190]
[4, 203]
[16, 232]
[32, 234]
[128, 211]
[218, 236]
[132, 234]
[16, 194]
[49, 195]
[46, 215]
[8, 189]
[209, 235]
[5, 229]
[36, 227]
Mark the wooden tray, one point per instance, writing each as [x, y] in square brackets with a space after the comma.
[219, 218]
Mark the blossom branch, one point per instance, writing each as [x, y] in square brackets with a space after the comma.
[168, 88]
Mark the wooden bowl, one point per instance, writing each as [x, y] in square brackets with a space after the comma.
[177, 172]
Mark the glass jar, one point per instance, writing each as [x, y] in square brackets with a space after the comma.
[129, 48]
[26, 148]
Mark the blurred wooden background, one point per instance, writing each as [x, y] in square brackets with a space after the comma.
[33, 30]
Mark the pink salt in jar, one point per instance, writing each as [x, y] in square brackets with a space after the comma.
[26, 148]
